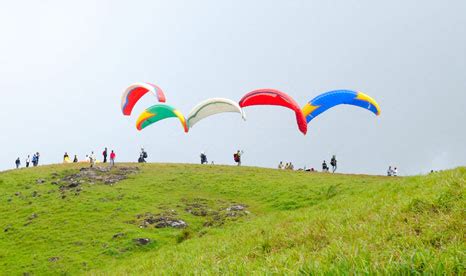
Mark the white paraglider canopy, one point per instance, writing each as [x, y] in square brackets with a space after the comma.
[212, 107]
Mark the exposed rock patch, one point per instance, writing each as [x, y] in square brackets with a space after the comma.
[142, 241]
[214, 213]
[105, 175]
[199, 208]
[237, 210]
[162, 220]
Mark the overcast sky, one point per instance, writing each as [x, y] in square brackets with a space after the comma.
[65, 64]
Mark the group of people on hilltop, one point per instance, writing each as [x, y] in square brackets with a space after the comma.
[112, 157]
[287, 166]
[28, 161]
[236, 157]
[325, 167]
[91, 158]
[333, 163]
[392, 171]
[66, 159]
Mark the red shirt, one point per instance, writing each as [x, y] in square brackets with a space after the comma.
[112, 155]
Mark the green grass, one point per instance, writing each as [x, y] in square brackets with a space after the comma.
[299, 223]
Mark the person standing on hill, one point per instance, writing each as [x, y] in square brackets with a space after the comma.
[324, 166]
[92, 159]
[105, 155]
[18, 163]
[35, 160]
[66, 158]
[142, 156]
[28, 161]
[112, 158]
[75, 160]
[333, 162]
[203, 158]
[237, 157]
[389, 171]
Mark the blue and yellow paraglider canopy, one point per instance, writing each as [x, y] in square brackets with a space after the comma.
[331, 99]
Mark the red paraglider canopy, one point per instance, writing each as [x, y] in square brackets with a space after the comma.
[135, 92]
[269, 96]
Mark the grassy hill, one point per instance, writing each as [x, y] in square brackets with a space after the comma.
[60, 220]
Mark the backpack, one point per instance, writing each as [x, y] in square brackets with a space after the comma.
[236, 157]
[144, 154]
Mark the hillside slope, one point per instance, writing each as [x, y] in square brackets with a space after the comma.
[131, 220]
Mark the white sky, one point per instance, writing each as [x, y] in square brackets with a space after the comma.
[65, 64]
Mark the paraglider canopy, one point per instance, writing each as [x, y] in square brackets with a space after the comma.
[157, 113]
[135, 92]
[331, 99]
[212, 107]
[275, 97]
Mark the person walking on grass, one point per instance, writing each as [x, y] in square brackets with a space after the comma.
[112, 159]
[18, 163]
[28, 161]
[105, 155]
[333, 162]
